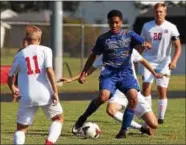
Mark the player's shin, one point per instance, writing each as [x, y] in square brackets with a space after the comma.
[54, 131]
[93, 106]
[162, 107]
[19, 137]
[149, 100]
[127, 119]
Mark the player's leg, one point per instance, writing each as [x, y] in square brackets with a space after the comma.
[113, 110]
[150, 119]
[25, 118]
[93, 106]
[106, 87]
[162, 85]
[129, 86]
[118, 102]
[115, 104]
[147, 79]
[55, 112]
[144, 111]
[128, 113]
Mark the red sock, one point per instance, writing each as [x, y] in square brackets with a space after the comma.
[47, 142]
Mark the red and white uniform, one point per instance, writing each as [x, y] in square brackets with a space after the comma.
[159, 55]
[30, 63]
[118, 97]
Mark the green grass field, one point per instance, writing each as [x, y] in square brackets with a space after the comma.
[171, 132]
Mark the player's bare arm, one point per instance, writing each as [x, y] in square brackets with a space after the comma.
[52, 80]
[69, 80]
[149, 67]
[177, 53]
[75, 78]
[13, 88]
[87, 66]
[141, 47]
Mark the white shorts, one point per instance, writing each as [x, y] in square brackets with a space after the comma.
[119, 98]
[162, 82]
[141, 108]
[26, 114]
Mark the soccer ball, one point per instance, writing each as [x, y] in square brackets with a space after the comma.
[90, 130]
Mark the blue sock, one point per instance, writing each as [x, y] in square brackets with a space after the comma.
[91, 109]
[127, 118]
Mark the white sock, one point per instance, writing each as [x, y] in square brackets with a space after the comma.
[118, 116]
[54, 131]
[149, 100]
[19, 137]
[135, 125]
[162, 107]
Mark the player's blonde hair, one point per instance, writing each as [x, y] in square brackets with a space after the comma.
[33, 33]
[157, 5]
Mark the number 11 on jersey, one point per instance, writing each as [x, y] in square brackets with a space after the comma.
[30, 70]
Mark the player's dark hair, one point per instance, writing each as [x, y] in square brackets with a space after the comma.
[114, 13]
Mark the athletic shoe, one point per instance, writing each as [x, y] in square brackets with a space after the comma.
[79, 123]
[160, 121]
[146, 130]
[121, 134]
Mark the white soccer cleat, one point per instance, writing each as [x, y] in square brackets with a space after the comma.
[76, 131]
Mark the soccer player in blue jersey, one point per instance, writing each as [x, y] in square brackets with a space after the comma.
[116, 45]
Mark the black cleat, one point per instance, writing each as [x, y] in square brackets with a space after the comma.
[77, 127]
[76, 130]
[146, 130]
[160, 121]
[121, 134]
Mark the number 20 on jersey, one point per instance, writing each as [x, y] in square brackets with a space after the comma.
[157, 36]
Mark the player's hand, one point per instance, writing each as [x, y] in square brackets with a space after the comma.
[172, 65]
[16, 92]
[82, 78]
[147, 45]
[65, 80]
[55, 99]
[158, 75]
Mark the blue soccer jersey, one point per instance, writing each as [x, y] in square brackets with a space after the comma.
[117, 48]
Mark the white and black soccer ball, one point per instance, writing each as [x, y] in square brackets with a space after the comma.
[90, 130]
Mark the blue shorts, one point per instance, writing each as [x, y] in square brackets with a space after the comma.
[112, 79]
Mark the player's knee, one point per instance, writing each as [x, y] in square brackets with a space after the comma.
[59, 118]
[104, 96]
[132, 102]
[153, 126]
[98, 101]
[101, 99]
